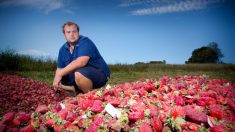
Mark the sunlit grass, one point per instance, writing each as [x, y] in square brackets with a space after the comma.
[43, 70]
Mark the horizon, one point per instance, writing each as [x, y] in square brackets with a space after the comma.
[124, 31]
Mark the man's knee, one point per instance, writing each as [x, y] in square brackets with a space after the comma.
[78, 76]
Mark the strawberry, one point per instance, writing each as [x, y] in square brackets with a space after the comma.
[63, 114]
[67, 124]
[195, 115]
[28, 128]
[142, 92]
[205, 101]
[178, 111]
[98, 120]
[42, 129]
[135, 116]
[216, 111]
[2, 127]
[179, 100]
[34, 123]
[156, 124]
[153, 110]
[221, 100]
[85, 103]
[23, 117]
[97, 106]
[115, 101]
[112, 123]
[8, 117]
[12, 129]
[138, 107]
[71, 116]
[192, 126]
[144, 127]
[72, 128]
[50, 122]
[42, 109]
[58, 128]
[231, 104]
[218, 128]
[57, 107]
[14, 123]
[92, 128]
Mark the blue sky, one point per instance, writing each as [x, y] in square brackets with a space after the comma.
[125, 31]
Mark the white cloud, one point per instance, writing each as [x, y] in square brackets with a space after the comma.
[44, 5]
[33, 52]
[149, 7]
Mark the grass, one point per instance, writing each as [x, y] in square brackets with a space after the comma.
[44, 69]
[130, 73]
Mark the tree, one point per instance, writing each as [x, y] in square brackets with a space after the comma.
[206, 54]
[214, 46]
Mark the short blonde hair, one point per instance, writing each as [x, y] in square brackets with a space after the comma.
[69, 23]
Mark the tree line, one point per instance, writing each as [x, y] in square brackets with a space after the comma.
[207, 54]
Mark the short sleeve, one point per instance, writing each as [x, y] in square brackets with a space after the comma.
[86, 48]
[59, 59]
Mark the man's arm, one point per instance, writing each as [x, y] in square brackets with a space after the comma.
[57, 79]
[60, 72]
[79, 62]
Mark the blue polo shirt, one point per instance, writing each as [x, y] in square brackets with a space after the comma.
[84, 47]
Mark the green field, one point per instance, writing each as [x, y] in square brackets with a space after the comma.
[121, 73]
[44, 69]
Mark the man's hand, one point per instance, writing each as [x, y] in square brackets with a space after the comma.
[57, 79]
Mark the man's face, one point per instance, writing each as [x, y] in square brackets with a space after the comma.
[71, 33]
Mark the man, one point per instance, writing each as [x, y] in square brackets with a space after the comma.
[80, 65]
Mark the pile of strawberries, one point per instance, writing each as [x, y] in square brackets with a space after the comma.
[23, 94]
[183, 103]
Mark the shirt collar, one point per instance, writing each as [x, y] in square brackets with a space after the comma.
[66, 45]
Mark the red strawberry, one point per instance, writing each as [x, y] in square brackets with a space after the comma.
[67, 124]
[50, 122]
[42, 109]
[179, 100]
[63, 114]
[28, 128]
[57, 107]
[71, 116]
[216, 111]
[195, 115]
[135, 116]
[85, 103]
[112, 123]
[8, 117]
[231, 104]
[58, 128]
[13, 129]
[205, 101]
[92, 128]
[23, 117]
[153, 110]
[144, 127]
[138, 107]
[156, 124]
[97, 106]
[142, 92]
[34, 123]
[192, 126]
[218, 128]
[14, 123]
[98, 120]
[178, 111]
[72, 128]
[2, 127]
[115, 101]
